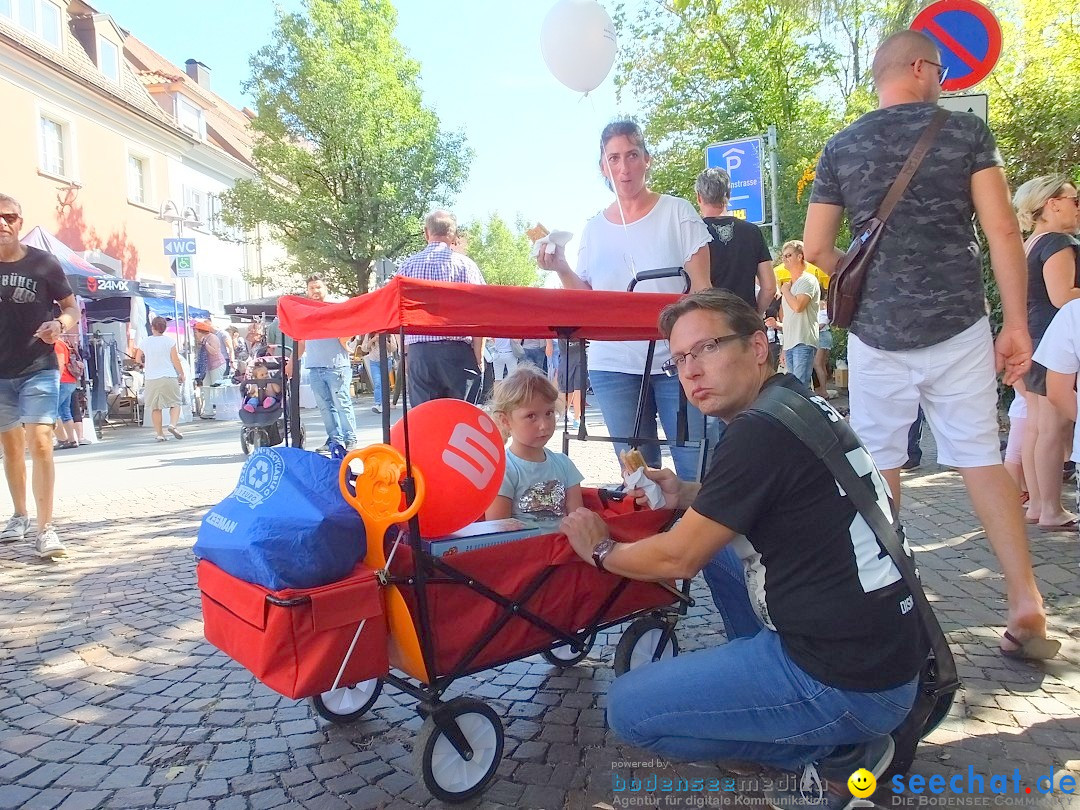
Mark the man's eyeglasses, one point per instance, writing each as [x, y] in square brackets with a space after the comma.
[10, 219]
[943, 71]
[711, 346]
[1075, 200]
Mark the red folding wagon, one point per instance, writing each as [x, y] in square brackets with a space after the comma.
[418, 622]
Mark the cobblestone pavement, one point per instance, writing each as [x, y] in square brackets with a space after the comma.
[110, 697]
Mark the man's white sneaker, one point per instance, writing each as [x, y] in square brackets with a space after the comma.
[48, 544]
[16, 529]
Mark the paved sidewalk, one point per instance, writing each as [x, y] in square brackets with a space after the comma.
[109, 697]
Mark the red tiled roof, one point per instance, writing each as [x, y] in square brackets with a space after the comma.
[73, 60]
[228, 128]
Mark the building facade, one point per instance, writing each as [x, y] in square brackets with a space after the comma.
[101, 133]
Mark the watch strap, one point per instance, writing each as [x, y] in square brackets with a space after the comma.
[600, 551]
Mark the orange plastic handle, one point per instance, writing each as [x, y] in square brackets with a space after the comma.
[378, 492]
[378, 501]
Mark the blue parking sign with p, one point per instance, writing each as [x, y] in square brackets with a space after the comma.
[742, 160]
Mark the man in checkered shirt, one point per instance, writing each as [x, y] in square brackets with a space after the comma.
[441, 367]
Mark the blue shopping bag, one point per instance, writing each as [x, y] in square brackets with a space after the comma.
[285, 525]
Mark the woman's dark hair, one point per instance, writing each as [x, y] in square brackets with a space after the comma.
[628, 128]
[159, 325]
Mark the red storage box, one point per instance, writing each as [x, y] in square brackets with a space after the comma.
[569, 598]
[295, 640]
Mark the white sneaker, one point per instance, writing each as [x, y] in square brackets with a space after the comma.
[16, 529]
[48, 544]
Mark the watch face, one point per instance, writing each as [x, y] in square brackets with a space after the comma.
[601, 549]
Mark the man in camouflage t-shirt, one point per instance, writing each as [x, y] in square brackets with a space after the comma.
[921, 335]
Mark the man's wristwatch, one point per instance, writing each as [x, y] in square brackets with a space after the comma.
[600, 551]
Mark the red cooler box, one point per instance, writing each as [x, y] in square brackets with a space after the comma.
[295, 640]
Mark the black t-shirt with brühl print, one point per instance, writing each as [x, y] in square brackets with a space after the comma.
[29, 290]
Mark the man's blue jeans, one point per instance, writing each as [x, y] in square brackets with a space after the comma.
[331, 389]
[745, 701]
[800, 362]
[617, 395]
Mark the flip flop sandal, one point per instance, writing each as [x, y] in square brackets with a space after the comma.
[1068, 525]
[1033, 649]
[160, 439]
[175, 432]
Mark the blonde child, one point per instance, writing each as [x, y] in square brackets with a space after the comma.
[539, 484]
[260, 391]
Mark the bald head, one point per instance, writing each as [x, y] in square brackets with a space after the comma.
[894, 57]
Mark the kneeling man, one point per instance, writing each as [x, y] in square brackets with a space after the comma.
[825, 650]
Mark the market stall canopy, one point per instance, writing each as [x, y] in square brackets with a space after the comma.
[75, 266]
[464, 310]
[88, 281]
[114, 309]
[166, 309]
[250, 310]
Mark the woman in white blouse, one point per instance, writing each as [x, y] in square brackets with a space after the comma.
[641, 230]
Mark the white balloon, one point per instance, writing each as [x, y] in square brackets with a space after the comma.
[578, 43]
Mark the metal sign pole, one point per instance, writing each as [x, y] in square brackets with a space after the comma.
[187, 320]
[774, 181]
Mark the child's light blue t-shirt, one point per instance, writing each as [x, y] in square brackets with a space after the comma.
[537, 489]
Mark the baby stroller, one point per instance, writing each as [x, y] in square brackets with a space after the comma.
[266, 427]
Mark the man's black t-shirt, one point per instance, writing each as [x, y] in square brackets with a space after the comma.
[736, 250]
[29, 290]
[815, 571]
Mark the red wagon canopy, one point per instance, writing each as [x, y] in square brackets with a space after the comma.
[465, 310]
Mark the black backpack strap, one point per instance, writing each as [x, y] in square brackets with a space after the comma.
[820, 428]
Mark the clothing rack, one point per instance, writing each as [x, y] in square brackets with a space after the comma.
[108, 375]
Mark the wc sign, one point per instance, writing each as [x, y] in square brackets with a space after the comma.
[742, 160]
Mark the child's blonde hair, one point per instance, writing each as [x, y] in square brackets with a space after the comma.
[519, 387]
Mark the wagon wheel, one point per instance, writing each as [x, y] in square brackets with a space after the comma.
[347, 703]
[449, 776]
[565, 656]
[646, 640]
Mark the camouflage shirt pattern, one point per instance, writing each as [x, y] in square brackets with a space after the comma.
[925, 282]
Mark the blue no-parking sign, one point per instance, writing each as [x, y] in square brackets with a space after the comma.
[742, 160]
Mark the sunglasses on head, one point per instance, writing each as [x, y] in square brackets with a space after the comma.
[10, 219]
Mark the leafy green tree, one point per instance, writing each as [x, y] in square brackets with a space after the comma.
[349, 158]
[1034, 103]
[502, 254]
[708, 71]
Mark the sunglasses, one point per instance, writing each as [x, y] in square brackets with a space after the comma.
[1075, 200]
[10, 219]
[943, 72]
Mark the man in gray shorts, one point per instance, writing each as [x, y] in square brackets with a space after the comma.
[921, 335]
[32, 283]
